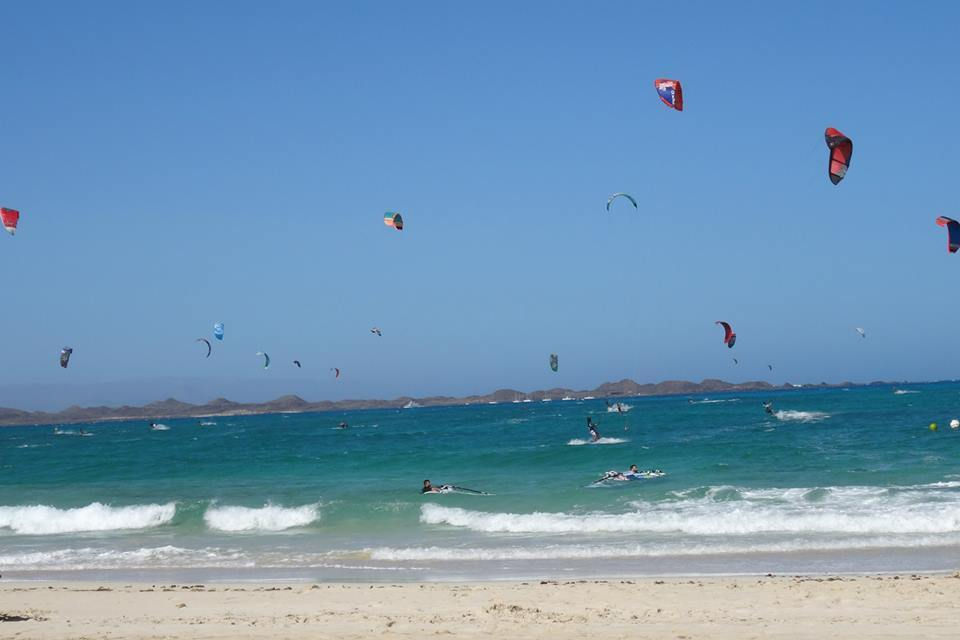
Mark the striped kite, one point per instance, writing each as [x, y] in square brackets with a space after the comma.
[841, 150]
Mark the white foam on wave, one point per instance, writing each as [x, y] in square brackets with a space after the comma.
[45, 520]
[728, 511]
[143, 558]
[266, 518]
[577, 442]
[801, 416]
[903, 392]
[648, 550]
[619, 407]
[709, 401]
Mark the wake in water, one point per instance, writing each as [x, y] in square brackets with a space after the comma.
[71, 432]
[800, 416]
[903, 392]
[577, 442]
[709, 401]
[619, 407]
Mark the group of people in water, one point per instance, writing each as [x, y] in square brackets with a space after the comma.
[633, 473]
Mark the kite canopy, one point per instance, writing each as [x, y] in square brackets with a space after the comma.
[206, 342]
[670, 92]
[65, 356]
[336, 372]
[953, 232]
[841, 150]
[266, 359]
[554, 362]
[10, 218]
[297, 362]
[729, 337]
[218, 331]
[377, 331]
[863, 334]
[393, 219]
[621, 195]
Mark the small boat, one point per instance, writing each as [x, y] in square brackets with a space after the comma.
[566, 399]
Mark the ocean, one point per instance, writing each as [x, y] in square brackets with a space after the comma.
[838, 480]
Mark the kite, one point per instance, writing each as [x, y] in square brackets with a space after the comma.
[65, 356]
[206, 342]
[336, 372]
[10, 218]
[266, 359]
[554, 362]
[621, 195]
[953, 232]
[729, 337]
[218, 331]
[841, 150]
[670, 92]
[376, 330]
[297, 362]
[863, 334]
[393, 219]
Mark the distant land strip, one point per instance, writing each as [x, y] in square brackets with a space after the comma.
[172, 408]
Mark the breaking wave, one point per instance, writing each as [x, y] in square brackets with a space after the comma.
[45, 520]
[730, 511]
[266, 518]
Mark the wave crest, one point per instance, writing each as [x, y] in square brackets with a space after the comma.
[45, 520]
[729, 511]
[266, 518]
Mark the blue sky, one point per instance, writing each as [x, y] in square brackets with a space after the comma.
[178, 164]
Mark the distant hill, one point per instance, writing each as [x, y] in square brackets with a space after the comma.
[172, 408]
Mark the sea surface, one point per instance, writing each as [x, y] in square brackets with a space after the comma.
[841, 480]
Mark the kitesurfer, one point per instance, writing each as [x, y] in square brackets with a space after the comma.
[342, 425]
[594, 434]
[429, 488]
[768, 407]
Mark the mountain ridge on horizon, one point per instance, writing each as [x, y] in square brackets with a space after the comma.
[290, 403]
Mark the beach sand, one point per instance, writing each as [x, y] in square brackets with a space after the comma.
[873, 607]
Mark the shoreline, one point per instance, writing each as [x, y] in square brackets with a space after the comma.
[874, 606]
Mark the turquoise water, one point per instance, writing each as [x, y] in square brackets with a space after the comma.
[836, 480]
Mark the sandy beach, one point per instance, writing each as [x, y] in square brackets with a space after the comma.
[742, 607]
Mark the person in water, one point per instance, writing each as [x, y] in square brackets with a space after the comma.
[342, 425]
[768, 407]
[429, 488]
[594, 434]
[634, 471]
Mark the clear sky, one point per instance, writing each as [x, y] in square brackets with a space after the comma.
[182, 163]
